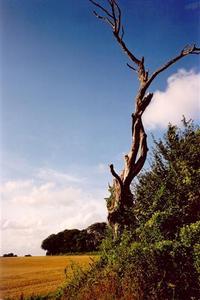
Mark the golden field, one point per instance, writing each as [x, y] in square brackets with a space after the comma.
[36, 275]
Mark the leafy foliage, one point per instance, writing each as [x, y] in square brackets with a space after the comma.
[172, 184]
[110, 199]
[159, 258]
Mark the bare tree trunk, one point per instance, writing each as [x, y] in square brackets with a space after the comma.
[121, 201]
[120, 214]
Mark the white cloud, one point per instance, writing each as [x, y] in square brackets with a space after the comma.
[10, 186]
[181, 97]
[34, 193]
[9, 224]
[53, 175]
[48, 203]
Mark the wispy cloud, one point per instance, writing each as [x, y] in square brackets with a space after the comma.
[61, 177]
[181, 97]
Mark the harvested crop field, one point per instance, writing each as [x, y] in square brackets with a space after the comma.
[36, 275]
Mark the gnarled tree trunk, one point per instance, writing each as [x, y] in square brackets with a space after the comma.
[122, 199]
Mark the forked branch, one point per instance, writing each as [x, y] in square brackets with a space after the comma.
[113, 18]
[101, 8]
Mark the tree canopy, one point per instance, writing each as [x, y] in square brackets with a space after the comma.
[74, 240]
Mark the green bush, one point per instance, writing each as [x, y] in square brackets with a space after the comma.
[159, 258]
[190, 234]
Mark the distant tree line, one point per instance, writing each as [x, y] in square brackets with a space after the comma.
[9, 255]
[74, 240]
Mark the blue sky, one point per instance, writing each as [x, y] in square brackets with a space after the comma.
[67, 97]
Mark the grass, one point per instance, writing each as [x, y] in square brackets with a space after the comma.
[38, 275]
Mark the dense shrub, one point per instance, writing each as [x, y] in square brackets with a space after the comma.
[159, 258]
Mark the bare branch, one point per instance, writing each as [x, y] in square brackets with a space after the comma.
[131, 67]
[186, 51]
[103, 18]
[112, 4]
[119, 20]
[117, 27]
[102, 8]
[126, 50]
[196, 48]
[115, 175]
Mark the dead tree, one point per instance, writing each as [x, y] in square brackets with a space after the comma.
[122, 198]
